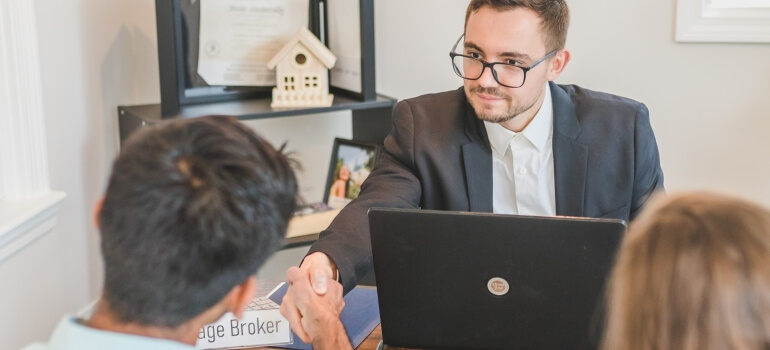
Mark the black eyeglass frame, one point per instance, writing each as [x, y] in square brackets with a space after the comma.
[491, 65]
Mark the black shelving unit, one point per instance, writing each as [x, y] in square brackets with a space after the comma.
[183, 96]
[177, 30]
[371, 122]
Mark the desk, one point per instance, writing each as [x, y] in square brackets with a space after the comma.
[304, 229]
[370, 343]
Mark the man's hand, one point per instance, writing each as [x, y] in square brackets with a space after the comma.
[317, 269]
[313, 317]
[321, 269]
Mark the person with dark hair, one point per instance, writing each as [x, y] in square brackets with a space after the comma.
[693, 272]
[192, 209]
[509, 141]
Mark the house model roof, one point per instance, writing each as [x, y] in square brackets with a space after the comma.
[312, 43]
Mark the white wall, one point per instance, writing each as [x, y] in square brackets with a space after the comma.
[708, 102]
[709, 107]
[94, 56]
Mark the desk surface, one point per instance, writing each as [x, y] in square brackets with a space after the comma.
[304, 229]
[370, 343]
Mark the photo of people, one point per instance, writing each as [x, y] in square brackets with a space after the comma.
[352, 162]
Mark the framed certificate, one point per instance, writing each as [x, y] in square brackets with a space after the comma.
[350, 36]
[202, 51]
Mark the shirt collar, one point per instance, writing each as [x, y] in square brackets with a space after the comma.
[539, 129]
[499, 137]
[537, 132]
[72, 334]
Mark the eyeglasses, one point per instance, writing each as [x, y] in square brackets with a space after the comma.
[509, 75]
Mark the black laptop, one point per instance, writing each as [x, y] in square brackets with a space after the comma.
[489, 281]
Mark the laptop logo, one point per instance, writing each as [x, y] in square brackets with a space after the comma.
[498, 286]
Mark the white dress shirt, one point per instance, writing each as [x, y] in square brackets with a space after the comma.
[522, 165]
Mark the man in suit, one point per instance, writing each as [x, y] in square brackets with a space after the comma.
[509, 141]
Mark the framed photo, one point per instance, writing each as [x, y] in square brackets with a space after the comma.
[351, 163]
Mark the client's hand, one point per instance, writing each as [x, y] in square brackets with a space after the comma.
[313, 317]
[317, 269]
[321, 269]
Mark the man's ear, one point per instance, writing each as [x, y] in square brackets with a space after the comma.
[558, 63]
[97, 210]
[240, 296]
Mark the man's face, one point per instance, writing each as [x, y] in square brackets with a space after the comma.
[506, 36]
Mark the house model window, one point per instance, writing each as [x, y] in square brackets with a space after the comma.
[302, 73]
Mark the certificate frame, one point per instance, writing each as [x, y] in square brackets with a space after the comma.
[177, 46]
[346, 147]
[368, 90]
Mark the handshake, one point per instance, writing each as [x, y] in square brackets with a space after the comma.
[313, 304]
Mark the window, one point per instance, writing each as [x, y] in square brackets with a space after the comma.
[27, 205]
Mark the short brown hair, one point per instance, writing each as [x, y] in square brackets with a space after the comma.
[553, 13]
[693, 272]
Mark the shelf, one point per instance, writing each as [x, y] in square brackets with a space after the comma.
[252, 109]
[371, 119]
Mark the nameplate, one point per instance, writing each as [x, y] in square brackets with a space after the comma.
[257, 327]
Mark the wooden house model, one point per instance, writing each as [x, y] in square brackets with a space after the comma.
[302, 72]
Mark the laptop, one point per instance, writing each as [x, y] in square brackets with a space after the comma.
[490, 281]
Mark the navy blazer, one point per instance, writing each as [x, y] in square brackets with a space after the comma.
[437, 156]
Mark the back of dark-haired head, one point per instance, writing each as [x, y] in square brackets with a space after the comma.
[193, 208]
[553, 13]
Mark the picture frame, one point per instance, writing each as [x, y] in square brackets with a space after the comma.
[354, 74]
[359, 158]
[177, 30]
[723, 21]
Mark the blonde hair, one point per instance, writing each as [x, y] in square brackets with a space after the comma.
[693, 272]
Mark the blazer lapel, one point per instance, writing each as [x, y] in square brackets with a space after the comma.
[570, 158]
[477, 162]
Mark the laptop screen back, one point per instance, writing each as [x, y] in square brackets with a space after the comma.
[486, 281]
